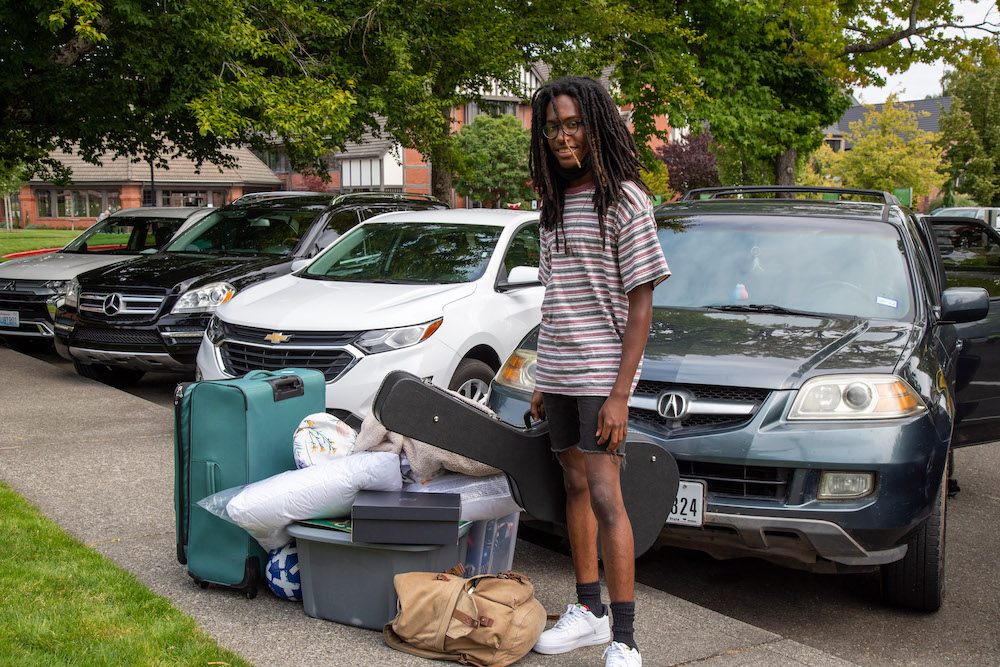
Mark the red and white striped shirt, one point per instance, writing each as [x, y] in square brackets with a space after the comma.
[585, 306]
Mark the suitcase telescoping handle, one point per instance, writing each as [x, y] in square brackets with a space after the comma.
[283, 385]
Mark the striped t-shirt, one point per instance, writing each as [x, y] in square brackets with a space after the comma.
[585, 306]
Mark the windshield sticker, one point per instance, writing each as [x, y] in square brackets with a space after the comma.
[740, 292]
[886, 301]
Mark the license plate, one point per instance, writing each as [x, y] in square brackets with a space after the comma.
[10, 318]
[689, 505]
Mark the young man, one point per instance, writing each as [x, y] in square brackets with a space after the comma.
[600, 261]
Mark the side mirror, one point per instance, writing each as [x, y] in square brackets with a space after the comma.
[300, 264]
[519, 276]
[964, 304]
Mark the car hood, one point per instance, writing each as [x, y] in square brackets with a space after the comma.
[291, 303]
[767, 351]
[184, 270]
[57, 265]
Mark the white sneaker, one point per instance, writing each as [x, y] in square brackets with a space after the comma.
[621, 655]
[575, 628]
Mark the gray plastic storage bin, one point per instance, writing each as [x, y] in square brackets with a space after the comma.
[491, 545]
[351, 582]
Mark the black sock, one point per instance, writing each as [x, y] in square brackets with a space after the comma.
[622, 618]
[589, 595]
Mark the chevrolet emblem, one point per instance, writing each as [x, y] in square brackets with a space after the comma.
[276, 337]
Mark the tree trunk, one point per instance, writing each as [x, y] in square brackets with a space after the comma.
[441, 177]
[785, 167]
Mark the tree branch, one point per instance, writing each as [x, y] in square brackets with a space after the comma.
[77, 47]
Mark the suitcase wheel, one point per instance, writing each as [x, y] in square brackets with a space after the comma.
[203, 584]
[251, 592]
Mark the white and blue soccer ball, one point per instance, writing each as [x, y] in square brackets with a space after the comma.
[282, 573]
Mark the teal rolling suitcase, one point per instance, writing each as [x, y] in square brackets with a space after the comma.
[228, 433]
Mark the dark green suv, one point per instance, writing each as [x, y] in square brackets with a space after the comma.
[809, 368]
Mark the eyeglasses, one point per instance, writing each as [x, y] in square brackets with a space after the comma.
[569, 128]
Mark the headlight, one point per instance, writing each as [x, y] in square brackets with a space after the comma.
[856, 397]
[204, 299]
[383, 340]
[73, 294]
[518, 371]
[215, 331]
[59, 286]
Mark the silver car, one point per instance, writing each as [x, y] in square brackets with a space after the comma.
[32, 287]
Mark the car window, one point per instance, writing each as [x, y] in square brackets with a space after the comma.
[971, 255]
[250, 230]
[523, 250]
[123, 235]
[925, 271]
[837, 267]
[409, 252]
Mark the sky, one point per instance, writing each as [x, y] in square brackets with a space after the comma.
[922, 80]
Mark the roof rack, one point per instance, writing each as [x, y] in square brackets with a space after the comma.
[714, 193]
[390, 195]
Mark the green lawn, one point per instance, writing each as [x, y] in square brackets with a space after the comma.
[34, 239]
[62, 603]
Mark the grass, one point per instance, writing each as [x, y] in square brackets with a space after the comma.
[62, 603]
[34, 239]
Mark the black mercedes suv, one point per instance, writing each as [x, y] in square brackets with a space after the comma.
[812, 360]
[149, 315]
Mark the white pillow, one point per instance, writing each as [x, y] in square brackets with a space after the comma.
[265, 508]
[320, 438]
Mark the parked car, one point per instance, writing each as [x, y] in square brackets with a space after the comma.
[810, 366]
[33, 287]
[119, 322]
[987, 214]
[443, 294]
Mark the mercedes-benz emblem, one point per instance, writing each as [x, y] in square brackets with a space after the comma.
[673, 405]
[112, 304]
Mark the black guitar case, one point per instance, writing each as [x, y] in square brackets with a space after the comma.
[409, 406]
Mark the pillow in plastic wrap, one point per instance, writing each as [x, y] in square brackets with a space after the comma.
[265, 508]
[320, 438]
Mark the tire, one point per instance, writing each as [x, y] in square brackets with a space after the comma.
[472, 380]
[26, 345]
[917, 581]
[116, 377]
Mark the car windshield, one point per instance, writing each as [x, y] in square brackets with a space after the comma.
[272, 229]
[410, 252]
[957, 212]
[830, 267]
[123, 235]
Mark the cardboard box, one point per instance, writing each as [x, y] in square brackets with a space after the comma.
[398, 517]
[352, 583]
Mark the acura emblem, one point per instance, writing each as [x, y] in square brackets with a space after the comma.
[276, 337]
[673, 405]
[9, 287]
[112, 304]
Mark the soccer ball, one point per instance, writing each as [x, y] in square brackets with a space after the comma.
[282, 573]
[320, 438]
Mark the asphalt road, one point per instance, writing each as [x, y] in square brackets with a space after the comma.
[839, 614]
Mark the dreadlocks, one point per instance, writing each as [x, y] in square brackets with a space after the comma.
[614, 154]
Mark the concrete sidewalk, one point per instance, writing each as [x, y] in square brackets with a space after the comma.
[99, 462]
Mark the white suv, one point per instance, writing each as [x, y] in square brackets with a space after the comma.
[444, 294]
[32, 287]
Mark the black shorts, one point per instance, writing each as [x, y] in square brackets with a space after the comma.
[573, 423]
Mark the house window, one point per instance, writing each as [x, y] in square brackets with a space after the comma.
[75, 203]
[275, 160]
[490, 108]
[360, 173]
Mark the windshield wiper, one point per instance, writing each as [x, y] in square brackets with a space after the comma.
[760, 308]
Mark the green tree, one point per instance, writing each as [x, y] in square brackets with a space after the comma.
[970, 131]
[775, 73]
[493, 160]
[147, 79]
[888, 151]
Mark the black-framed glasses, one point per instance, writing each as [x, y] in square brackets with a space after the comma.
[569, 128]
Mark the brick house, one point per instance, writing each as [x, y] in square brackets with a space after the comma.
[119, 183]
